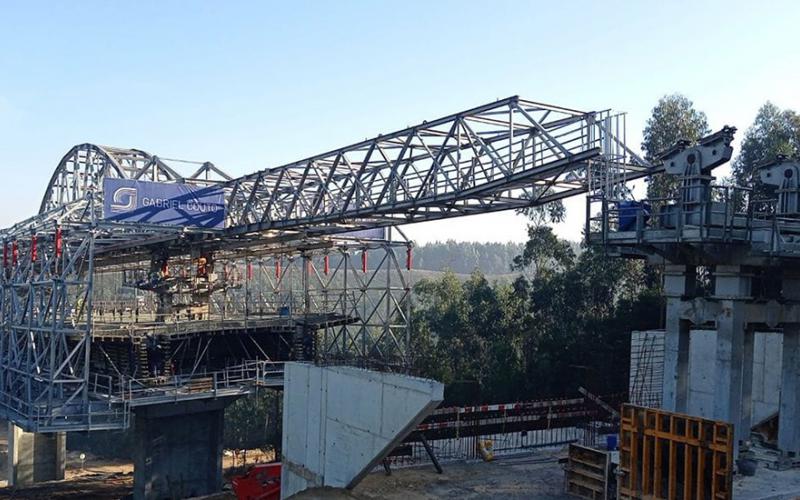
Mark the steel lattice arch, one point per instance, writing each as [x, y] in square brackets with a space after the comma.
[101, 316]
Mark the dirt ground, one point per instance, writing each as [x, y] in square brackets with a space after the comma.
[530, 476]
[536, 475]
[102, 479]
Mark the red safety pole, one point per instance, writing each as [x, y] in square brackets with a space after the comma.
[327, 264]
[277, 268]
[59, 242]
[14, 253]
[33, 248]
[364, 260]
[249, 271]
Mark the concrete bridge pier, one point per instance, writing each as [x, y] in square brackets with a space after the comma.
[178, 449]
[35, 456]
[788, 425]
[679, 283]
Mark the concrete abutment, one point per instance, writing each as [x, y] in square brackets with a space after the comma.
[35, 456]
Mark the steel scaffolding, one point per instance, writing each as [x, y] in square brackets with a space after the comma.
[100, 316]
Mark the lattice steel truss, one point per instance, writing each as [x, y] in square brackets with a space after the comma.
[303, 283]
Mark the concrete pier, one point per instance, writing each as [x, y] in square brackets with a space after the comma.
[178, 449]
[788, 425]
[732, 289]
[679, 282]
[340, 422]
[35, 457]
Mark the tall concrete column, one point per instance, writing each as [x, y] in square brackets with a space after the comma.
[732, 290]
[748, 365]
[679, 284]
[789, 413]
[35, 456]
[178, 449]
[789, 406]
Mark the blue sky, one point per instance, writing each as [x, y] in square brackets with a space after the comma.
[251, 85]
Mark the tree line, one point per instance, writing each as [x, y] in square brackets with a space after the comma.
[465, 257]
[566, 320]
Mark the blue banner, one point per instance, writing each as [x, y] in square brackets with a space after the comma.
[378, 233]
[126, 200]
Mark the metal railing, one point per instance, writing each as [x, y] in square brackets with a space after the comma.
[721, 213]
[112, 399]
[202, 383]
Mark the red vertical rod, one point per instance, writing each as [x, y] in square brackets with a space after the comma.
[249, 271]
[165, 269]
[364, 260]
[277, 269]
[409, 257]
[59, 242]
[327, 264]
[14, 253]
[33, 248]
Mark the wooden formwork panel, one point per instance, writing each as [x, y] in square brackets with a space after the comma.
[674, 456]
[586, 473]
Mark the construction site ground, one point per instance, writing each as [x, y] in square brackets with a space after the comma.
[531, 475]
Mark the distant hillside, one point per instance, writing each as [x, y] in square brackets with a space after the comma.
[465, 257]
[493, 259]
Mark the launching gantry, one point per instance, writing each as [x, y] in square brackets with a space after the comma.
[731, 257]
[113, 302]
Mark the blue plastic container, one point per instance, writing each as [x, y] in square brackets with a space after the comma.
[611, 442]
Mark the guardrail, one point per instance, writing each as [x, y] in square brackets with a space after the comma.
[139, 391]
[724, 213]
[111, 399]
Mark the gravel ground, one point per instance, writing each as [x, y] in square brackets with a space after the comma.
[530, 476]
[535, 475]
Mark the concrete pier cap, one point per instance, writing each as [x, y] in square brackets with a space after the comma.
[339, 422]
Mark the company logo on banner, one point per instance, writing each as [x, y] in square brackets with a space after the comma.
[127, 200]
[378, 233]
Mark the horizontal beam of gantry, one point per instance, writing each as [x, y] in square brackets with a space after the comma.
[506, 155]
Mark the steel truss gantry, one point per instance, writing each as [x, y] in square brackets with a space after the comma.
[292, 231]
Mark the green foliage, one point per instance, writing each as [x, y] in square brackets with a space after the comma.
[465, 257]
[774, 132]
[674, 118]
[254, 421]
[544, 252]
[566, 326]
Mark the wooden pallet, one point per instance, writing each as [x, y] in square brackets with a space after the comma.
[674, 456]
[205, 384]
[586, 472]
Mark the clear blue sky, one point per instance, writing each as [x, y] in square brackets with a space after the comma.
[250, 85]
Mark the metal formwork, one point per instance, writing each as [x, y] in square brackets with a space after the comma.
[80, 346]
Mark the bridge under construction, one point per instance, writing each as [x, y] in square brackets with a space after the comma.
[149, 288]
